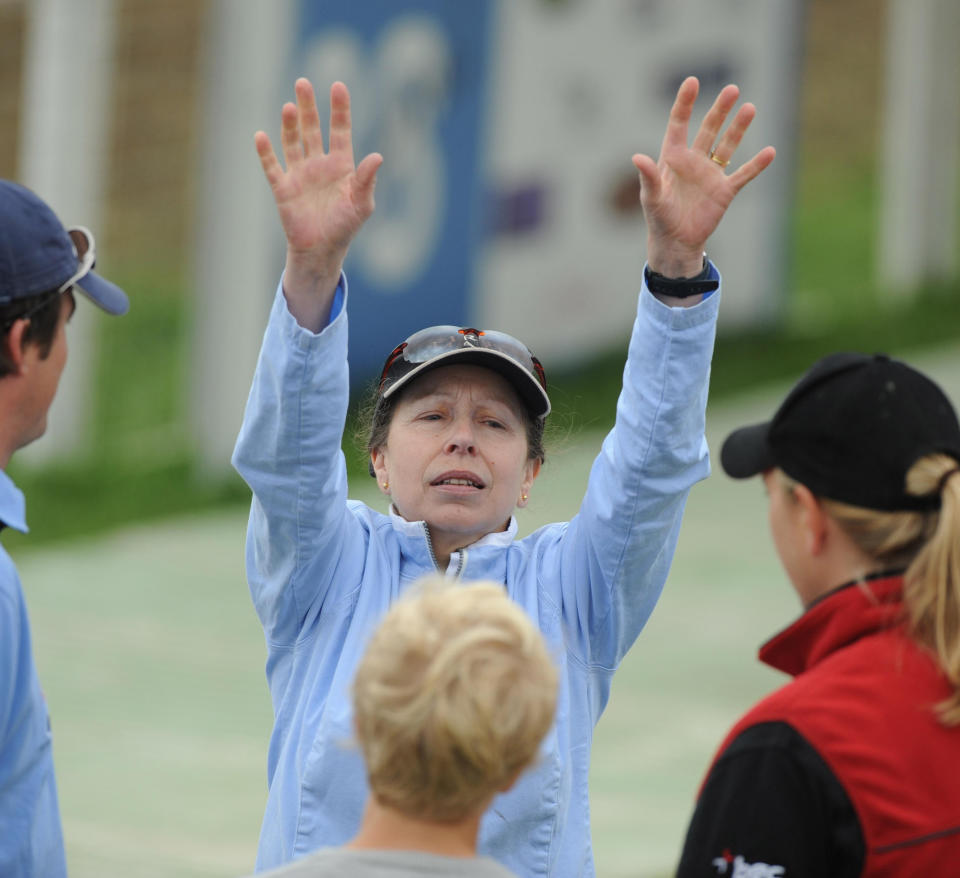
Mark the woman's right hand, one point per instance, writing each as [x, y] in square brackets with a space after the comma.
[322, 198]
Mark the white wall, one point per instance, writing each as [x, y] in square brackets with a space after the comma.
[920, 145]
[62, 157]
[238, 233]
[580, 88]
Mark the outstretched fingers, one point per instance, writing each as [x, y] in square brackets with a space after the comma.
[679, 122]
[748, 170]
[366, 175]
[309, 119]
[290, 135]
[728, 143]
[268, 159]
[716, 116]
[341, 139]
[363, 183]
[649, 174]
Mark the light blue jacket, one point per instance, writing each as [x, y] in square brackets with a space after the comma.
[31, 838]
[323, 570]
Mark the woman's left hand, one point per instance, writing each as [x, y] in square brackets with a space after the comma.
[687, 191]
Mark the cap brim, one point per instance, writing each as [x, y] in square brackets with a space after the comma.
[103, 294]
[534, 397]
[746, 452]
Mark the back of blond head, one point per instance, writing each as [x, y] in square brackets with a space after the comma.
[452, 699]
[927, 544]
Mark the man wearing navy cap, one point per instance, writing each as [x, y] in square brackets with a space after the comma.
[42, 264]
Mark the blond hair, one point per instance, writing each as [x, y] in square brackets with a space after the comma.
[927, 544]
[452, 699]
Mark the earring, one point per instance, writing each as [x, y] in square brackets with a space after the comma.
[524, 498]
[386, 486]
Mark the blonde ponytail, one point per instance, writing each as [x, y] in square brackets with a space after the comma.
[932, 582]
[927, 544]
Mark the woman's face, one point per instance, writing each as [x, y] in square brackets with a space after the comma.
[456, 455]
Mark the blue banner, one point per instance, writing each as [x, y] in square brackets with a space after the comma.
[417, 74]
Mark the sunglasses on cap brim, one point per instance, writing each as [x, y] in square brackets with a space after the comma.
[85, 248]
[435, 341]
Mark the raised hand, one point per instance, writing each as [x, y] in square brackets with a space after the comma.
[687, 191]
[322, 198]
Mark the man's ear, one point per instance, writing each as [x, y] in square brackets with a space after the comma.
[14, 346]
[813, 519]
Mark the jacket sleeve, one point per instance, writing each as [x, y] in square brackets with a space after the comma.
[770, 799]
[288, 452]
[616, 552]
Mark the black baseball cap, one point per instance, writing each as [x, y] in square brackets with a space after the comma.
[39, 255]
[849, 430]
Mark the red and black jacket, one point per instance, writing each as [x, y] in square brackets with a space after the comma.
[845, 771]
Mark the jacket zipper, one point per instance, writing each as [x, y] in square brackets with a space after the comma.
[433, 557]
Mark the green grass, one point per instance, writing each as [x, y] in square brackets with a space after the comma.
[834, 235]
[143, 361]
[141, 465]
[89, 496]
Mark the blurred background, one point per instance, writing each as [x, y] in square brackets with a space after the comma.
[508, 200]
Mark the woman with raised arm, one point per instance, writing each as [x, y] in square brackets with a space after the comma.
[456, 445]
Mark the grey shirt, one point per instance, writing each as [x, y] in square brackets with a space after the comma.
[330, 862]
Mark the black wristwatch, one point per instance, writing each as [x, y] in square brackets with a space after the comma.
[682, 287]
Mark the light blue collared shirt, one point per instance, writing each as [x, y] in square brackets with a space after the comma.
[31, 838]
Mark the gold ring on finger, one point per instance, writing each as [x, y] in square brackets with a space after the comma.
[715, 158]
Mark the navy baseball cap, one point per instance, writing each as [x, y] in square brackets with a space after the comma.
[37, 254]
[850, 430]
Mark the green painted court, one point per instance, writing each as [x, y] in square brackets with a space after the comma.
[151, 659]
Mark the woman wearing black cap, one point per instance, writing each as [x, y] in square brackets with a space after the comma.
[853, 767]
[456, 445]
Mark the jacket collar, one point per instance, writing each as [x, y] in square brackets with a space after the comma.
[500, 538]
[13, 508]
[844, 615]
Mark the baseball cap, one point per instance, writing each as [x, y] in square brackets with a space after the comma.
[448, 345]
[849, 430]
[37, 254]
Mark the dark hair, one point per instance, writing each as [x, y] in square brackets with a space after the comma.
[377, 412]
[44, 317]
